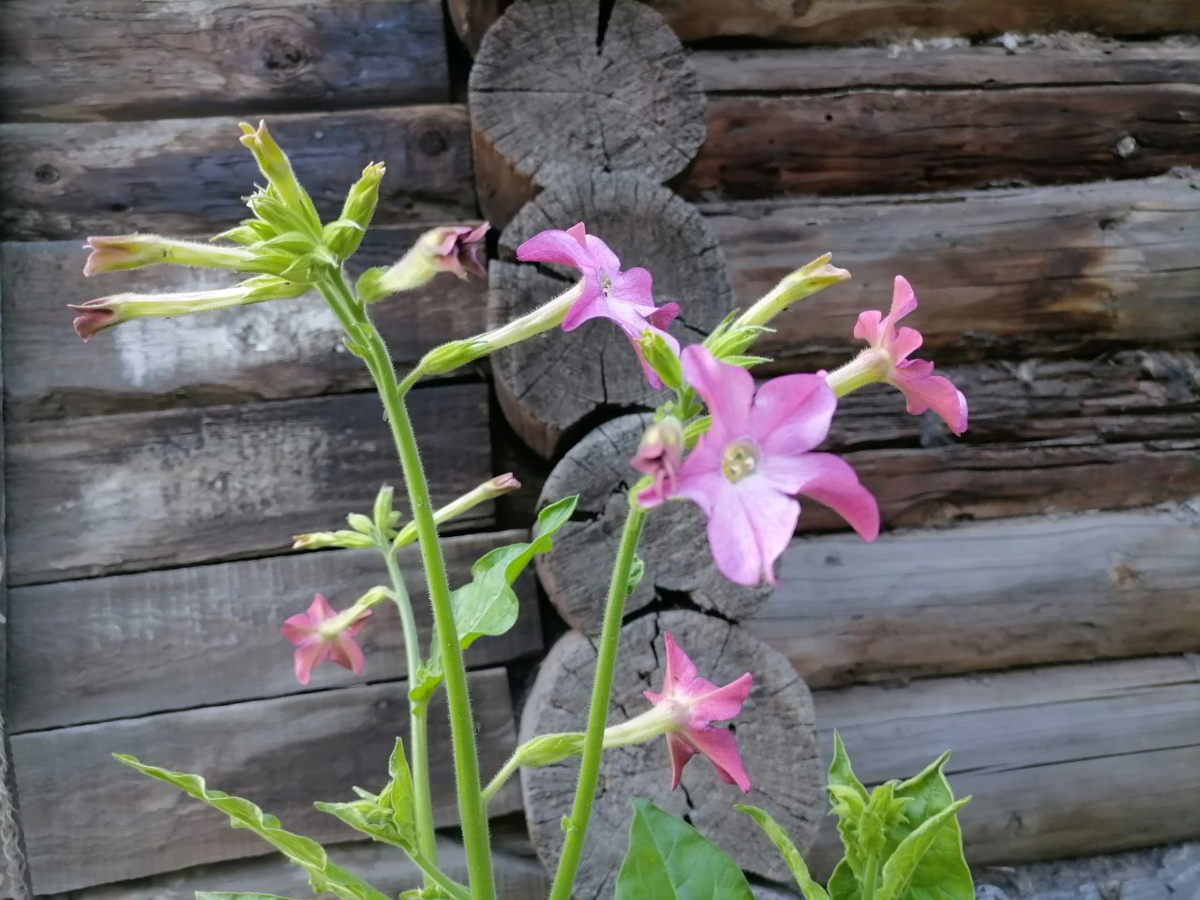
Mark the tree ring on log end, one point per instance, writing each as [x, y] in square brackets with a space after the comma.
[775, 732]
[548, 89]
[552, 383]
[674, 545]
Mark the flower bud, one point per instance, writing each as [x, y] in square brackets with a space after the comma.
[659, 455]
[662, 358]
[489, 490]
[453, 248]
[105, 312]
[360, 523]
[132, 251]
[548, 749]
[345, 234]
[282, 180]
[320, 540]
[383, 512]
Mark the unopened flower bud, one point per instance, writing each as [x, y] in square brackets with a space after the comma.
[662, 357]
[383, 512]
[360, 523]
[489, 490]
[343, 235]
[132, 251]
[320, 540]
[105, 312]
[452, 248]
[659, 455]
[275, 166]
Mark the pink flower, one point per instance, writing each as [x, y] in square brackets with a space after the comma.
[94, 316]
[693, 705]
[455, 249]
[754, 459]
[914, 377]
[659, 455]
[323, 633]
[624, 297]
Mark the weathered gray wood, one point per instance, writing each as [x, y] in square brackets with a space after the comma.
[266, 351]
[841, 21]
[552, 383]
[188, 176]
[890, 141]
[550, 91]
[124, 493]
[674, 545]
[987, 596]
[1060, 761]
[1075, 59]
[998, 273]
[774, 731]
[92, 821]
[131, 59]
[98, 649]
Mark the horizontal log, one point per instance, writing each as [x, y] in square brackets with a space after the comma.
[97, 649]
[89, 820]
[1008, 273]
[188, 176]
[1060, 761]
[263, 352]
[890, 140]
[988, 595]
[107, 494]
[136, 59]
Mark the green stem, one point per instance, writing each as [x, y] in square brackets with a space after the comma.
[872, 876]
[440, 878]
[471, 809]
[589, 767]
[418, 713]
[501, 778]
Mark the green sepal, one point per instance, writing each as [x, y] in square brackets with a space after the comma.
[668, 859]
[389, 817]
[304, 852]
[637, 572]
[809, 888]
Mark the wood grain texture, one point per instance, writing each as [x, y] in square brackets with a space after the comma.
[134, 59]
[263, 352]
[892, 141]
[92, 821]
[128, 645]
[774, 730]
[188, 176]
[552, 384]
[1060, 761]
[850, 21]
[634, 105]
[991, 595]
[673, 546]
[108, 494]
[1005, 273]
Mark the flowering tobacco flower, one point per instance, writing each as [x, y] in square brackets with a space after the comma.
[450, 248]
[323, 633]
[659, 455]
[754, 459]
[887, 360]
[624, 297]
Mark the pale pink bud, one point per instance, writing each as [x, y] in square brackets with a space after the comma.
[659, 455]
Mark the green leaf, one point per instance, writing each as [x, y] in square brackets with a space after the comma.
[304, 852]
[840, 772]
[943, 873]
[487, 605]
[390, 817]
[669, 860]
[778, 837]
[915, 872]
[636, 572]
[842, 883]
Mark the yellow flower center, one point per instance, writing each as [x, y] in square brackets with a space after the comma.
[739, 460]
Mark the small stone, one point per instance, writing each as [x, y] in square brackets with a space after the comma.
[1126, 147]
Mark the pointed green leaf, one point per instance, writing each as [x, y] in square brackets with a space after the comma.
[303, 851]
[840, 771]
[842, 883]
[390, 817]
[669, 860]
[914, 872]
[778, 837]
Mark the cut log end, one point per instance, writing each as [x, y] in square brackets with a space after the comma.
[775, 733]
[646, 225]
[674, 546]
[553, 83]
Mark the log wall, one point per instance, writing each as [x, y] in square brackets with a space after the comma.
[1034, 603]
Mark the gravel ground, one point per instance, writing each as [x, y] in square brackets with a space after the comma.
[1162, 873]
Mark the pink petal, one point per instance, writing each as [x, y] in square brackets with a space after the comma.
[680, 752]
[700, 478]
[357, 625]
[634, 288]
[346, 653]
[590, 305]
[724, 702]
[601, 254]
[320, 610]
[902, 343]
[720, 746]
[904, 300]
[560, 247]
[727, 390]
[306, 657]
[830, 480]
[579, 233]
[869, 326]
[792, 414]
[298, 628]
[750, 526]
[664, 315]
[927, 391]
[680, 670]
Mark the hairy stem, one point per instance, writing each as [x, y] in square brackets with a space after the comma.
[364, 340]
[589, 767]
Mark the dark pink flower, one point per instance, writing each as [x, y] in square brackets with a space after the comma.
[455, 249]
[323, 633]
[659, 455]
[754, 459]
[624, 297]
[693, 704]
[891, 347]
